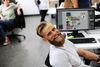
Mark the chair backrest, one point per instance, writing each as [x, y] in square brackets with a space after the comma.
[19, 22]
[47, 62]
[19, 19]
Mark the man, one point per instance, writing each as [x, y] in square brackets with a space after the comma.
[43, 6]
[60, 1]
[7, 17]
[77, 3]
[63, 53]
[98, 5]
[84, 3]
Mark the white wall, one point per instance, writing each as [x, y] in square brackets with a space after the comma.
[29, 7]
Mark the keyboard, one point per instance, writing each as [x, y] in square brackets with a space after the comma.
[82, 40]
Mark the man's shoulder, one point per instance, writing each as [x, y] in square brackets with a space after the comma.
[1, 5]
[67, 42]
[55, 49]
[12, 4]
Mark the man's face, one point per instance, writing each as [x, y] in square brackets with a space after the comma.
[53, 35]
[6, 2]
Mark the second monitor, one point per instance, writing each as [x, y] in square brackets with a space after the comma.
[75, 19]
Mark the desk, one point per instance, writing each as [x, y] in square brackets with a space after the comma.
[89, 45]
[92, 35]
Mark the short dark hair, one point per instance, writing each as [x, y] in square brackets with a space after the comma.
[4, 0]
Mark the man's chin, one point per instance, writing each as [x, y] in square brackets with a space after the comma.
[59, 38]
[58, 42]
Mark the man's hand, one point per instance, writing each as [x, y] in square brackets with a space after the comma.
[2, 18]
[98, 60]
[18, 11]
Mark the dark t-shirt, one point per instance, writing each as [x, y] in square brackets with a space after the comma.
[98, 5]
[84, 3]
[60, 1]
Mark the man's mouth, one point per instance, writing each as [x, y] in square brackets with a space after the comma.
[57, 37]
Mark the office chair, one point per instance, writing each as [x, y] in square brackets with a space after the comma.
[97, 21]
[19, 22]
[47, 62]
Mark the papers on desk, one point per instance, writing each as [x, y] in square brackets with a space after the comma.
[97, 13]
[52, 11]
[97, 31]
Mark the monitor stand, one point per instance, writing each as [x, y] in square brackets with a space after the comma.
[75, 34]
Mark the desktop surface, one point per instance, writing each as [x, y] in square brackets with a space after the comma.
[93, 45]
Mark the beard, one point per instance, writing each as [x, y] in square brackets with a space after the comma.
[58, 41]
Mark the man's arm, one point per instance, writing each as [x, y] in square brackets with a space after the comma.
[18, 9]
[17, 6]
[1, 17]
[87, 54]
[75, 3]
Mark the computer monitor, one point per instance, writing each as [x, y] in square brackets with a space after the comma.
[75, 19]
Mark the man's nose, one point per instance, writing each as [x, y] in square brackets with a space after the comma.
[53, 32]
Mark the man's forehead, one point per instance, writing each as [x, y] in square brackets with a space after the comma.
[47, 28]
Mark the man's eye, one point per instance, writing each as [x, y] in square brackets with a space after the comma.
[49, 33]
[53, 29]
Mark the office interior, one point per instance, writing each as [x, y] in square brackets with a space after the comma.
[32, 51]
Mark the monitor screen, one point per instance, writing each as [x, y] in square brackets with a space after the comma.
[71, 19]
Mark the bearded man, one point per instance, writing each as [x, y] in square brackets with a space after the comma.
[63, 53]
